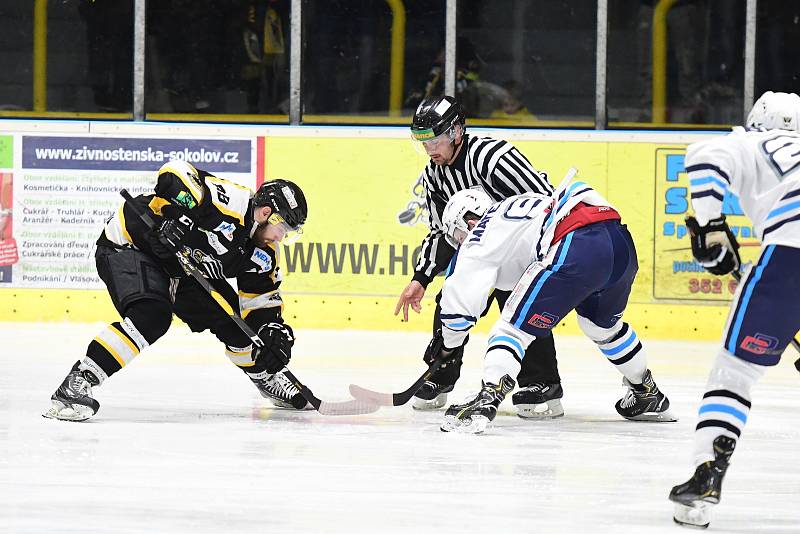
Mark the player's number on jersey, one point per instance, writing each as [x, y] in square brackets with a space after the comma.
[221, 194]
[520, 209]
[784, 153]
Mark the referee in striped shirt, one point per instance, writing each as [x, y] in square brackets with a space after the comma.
[460, 161]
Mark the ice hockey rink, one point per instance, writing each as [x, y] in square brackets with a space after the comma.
[183, 443]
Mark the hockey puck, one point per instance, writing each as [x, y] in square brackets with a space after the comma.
[299, 402]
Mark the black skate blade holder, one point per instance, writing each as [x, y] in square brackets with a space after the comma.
[737, 275]
[351, 407]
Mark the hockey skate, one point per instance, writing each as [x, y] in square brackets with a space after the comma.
[73, 399]
[280, 391]
[474, 416]
[431, 396]
[539, 401]
[695, 498]
[644, 402]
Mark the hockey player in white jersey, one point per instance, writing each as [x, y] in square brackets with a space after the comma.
[760, 165]
[557, 253]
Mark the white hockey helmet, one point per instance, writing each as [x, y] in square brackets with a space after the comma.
[775, 111]
[465, 204]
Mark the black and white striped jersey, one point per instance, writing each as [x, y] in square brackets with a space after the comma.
[494, 165]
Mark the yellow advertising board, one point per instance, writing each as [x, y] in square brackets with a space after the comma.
[676, 274]
[359, 250]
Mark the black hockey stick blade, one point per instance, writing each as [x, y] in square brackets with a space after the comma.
[394, 399]
[737, 275]
[352, 407]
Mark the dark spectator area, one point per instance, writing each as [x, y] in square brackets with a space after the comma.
[518, 62]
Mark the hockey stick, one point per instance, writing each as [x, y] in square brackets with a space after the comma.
[394, 399]
[737, 275]
[351, 407]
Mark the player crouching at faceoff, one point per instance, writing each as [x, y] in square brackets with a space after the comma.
[557, 254]
[227, 232]
[758, 164]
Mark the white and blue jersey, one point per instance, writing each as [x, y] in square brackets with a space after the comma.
[758, 166]
[761, 168]
[512, 237]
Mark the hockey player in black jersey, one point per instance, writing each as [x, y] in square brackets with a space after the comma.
[228, 232]
[459, 161]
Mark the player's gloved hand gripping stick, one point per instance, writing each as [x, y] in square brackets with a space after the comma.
[351, 407]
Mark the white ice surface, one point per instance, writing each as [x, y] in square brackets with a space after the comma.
[183, 443]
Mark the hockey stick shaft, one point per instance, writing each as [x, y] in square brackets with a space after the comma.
[352, 407]
[737, 275]
[190, 269]
[394, 399]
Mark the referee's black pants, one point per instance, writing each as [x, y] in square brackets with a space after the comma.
[538, 365]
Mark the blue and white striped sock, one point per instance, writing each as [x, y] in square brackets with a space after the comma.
[726, 403]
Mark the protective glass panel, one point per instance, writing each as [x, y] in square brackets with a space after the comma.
[675, 63]
[368, 61]
[66, 59]
[210, 60]
[777, 35]
[527, 62]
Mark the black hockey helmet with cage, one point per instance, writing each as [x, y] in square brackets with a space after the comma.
[285, 199]
[435, 116]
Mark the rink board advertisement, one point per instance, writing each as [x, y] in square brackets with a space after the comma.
[353, 242]
[676, 273]
[64, 189]
[366, 218]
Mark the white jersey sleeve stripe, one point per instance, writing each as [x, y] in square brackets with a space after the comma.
[708, 167]
[708, 186]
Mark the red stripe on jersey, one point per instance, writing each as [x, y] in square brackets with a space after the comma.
[584, 215]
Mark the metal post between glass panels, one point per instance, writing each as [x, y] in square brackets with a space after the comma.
[450, 48]
[749, 57]
[601, 64]
[295, 62]
[139, 33]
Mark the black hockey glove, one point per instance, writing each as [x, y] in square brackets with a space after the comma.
[211, 267]
[158, 248]
[437, 351]
[175, 227]
[714, 246]
[278, 340]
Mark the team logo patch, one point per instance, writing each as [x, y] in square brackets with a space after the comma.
[543, 320]
[226, 229]
[759, 344]
[215, 243]
[262, 259]
[185, 199]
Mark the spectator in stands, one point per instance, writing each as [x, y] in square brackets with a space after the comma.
[468, 65]
[512, 106]
[263, 73]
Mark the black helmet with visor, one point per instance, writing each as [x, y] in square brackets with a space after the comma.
[436, 116]
[288, 205]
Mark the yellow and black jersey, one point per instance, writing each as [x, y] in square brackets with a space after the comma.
[223, 225]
